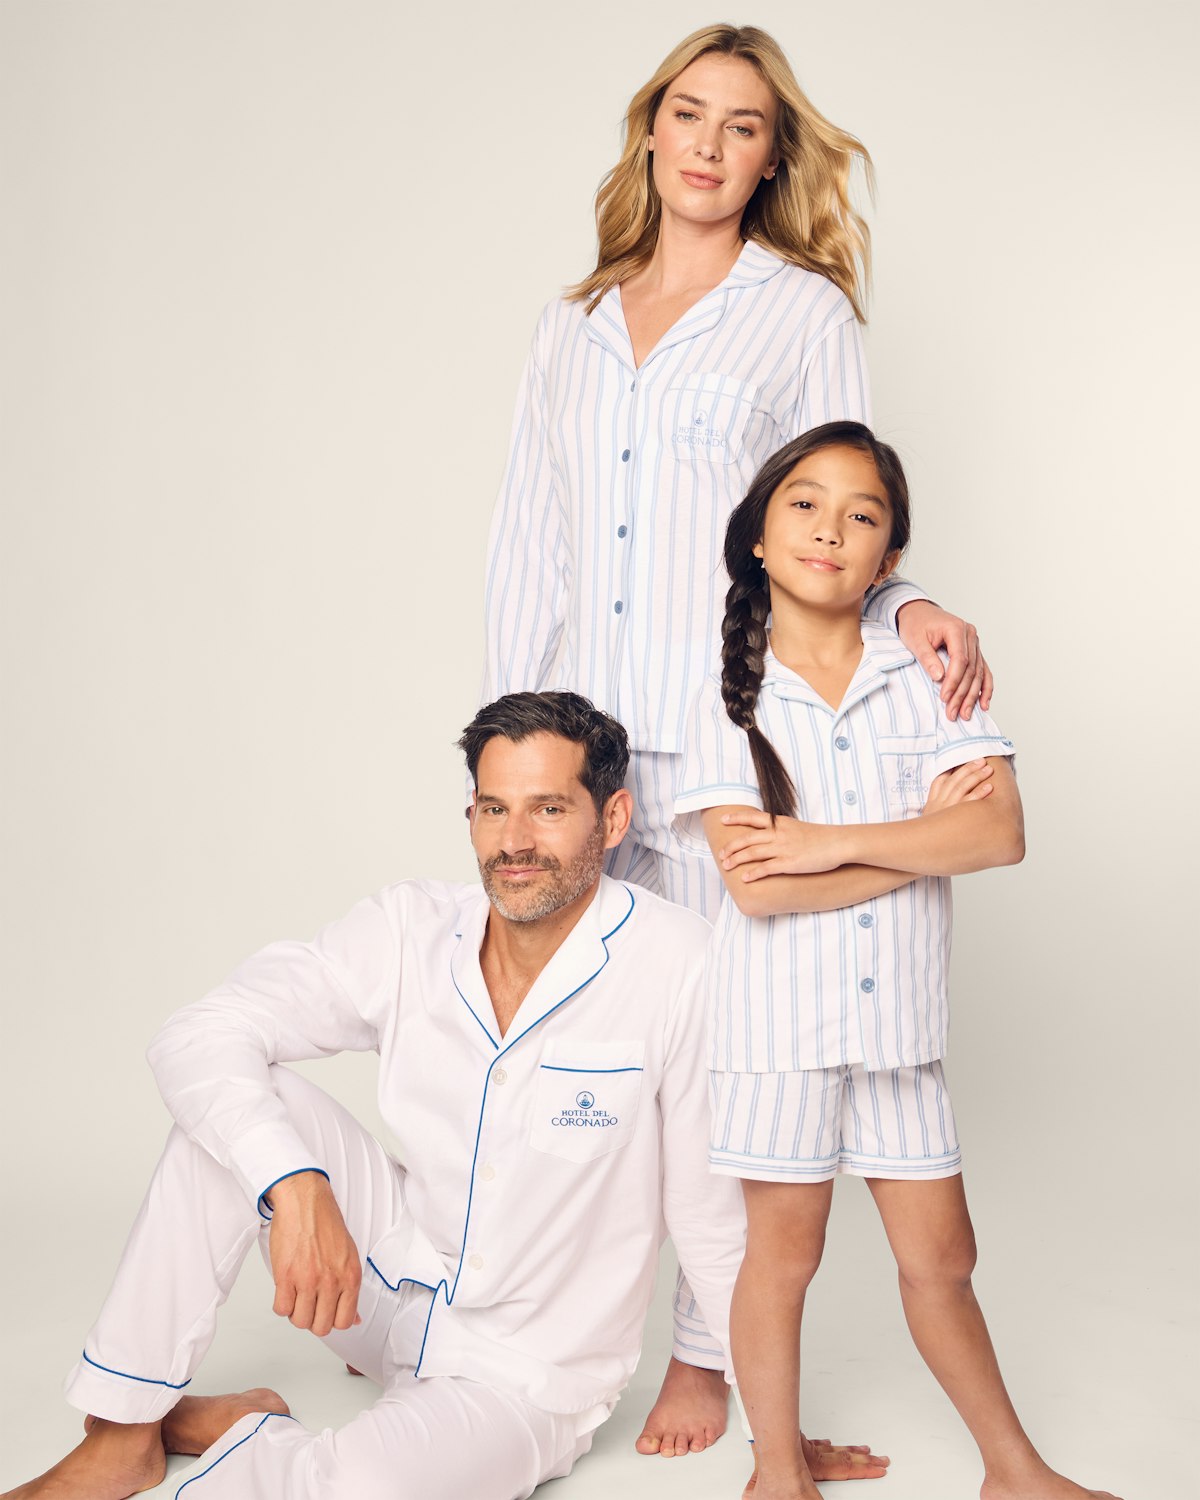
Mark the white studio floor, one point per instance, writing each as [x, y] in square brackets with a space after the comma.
[1101, 1366]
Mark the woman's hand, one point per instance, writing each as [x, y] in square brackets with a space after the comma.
[966, 678]
[786, 847]
[967, 783]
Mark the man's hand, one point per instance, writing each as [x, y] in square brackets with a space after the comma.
[968, 783]
[314, 1261]
[966, 679]
[785, 847]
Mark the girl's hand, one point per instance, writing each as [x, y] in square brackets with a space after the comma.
[787, 847]
[968, 783]
[966, 678]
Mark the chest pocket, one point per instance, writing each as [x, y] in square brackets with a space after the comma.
[586, 1097]
[705, 417]
[906, 764]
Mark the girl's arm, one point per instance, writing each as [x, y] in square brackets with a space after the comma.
[974, 835]
[827, 890]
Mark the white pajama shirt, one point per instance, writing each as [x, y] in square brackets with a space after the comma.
[540, 1171]
[604, 570]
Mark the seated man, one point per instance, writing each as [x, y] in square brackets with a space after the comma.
[541, 1065]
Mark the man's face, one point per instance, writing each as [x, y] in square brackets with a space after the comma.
[537, 837]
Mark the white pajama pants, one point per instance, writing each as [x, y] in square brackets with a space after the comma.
[650, 854]
[424, 1439]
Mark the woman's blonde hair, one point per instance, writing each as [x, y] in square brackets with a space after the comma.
[803, 214]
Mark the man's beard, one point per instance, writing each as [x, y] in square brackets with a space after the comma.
[562, 885]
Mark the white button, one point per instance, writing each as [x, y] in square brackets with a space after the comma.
[499, 1076]
[487, 1172]
[476, 1263]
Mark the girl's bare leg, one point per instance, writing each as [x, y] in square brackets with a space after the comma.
[929, 1230]
[785, 1235]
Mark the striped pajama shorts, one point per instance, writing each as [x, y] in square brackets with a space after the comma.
[811, 1125]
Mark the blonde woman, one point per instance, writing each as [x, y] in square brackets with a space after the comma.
[721, 321]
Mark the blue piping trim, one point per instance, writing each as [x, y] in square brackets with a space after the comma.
[228, 1451]
[553, 1068]
[448, 1292]
[264, 1209]
[468, 1004]
[141, 1379]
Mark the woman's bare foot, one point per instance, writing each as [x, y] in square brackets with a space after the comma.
[115, 1460]
[195, 1423]
[690, 1413]
[1040, 1484]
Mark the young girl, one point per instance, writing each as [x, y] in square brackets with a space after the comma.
[836, 796]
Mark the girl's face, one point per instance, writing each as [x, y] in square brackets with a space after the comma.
[827, 531]
[713, 139]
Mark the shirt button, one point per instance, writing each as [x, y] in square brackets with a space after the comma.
[633, 385]
[499, 1076]
[618, 607]
[487, 1172]
[867, 986]
[842, 742]
[625, 456]
[849, 798]
[476, 1263]
[622, 530]
[866, 920]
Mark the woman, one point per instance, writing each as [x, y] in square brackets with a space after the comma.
[720, 322]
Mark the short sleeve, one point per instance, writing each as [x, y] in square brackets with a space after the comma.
[716, 767]
[961, 740]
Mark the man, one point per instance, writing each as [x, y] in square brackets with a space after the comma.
[541, 1066]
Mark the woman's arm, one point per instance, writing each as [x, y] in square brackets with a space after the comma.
[529, 558]
[973, 835]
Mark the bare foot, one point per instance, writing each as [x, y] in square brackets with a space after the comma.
[828, 1460]
[115, 1460]
[690, 1413]
[195, 1423]
[1040, 1484]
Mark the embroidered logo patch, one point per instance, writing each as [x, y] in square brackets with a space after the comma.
[586, 1115]
[699, 434]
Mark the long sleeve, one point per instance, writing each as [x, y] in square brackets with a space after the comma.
[289, 1002]
[702, 1211]
[530, 559]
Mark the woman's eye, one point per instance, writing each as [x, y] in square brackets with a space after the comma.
[685, 114]
[743, 130]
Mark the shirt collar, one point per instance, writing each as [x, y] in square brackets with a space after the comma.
[883, 652]
[580, 957]
[607, 326]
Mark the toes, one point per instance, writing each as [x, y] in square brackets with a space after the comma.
[648, 1442]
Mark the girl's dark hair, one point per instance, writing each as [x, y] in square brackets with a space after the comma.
[748, 602]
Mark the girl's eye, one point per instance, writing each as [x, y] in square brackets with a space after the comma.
[802, 505]
[869, 520]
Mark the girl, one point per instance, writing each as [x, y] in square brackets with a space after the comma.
[837, 794]
[721, 320]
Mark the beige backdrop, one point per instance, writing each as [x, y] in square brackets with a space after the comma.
[269, 272]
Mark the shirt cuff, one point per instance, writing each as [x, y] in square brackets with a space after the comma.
[886, 602]
[266, 1155]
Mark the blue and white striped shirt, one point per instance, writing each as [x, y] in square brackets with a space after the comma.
[604, 563]
[867, 983]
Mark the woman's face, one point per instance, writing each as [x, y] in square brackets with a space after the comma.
[713, 139]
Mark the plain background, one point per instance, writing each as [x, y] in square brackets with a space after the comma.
[269, 275]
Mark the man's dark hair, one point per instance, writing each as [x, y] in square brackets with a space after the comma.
[570, 716]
